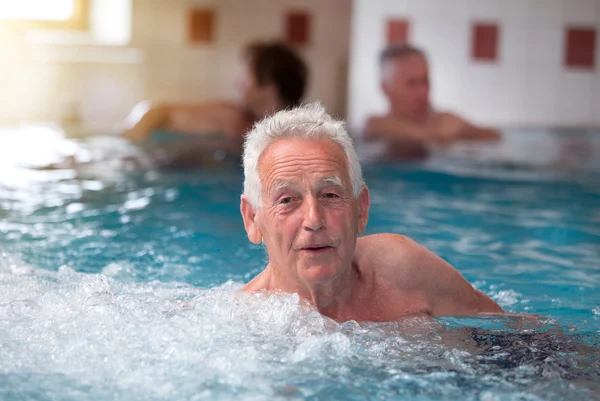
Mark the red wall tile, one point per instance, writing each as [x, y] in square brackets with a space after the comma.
[297, 29]
[201, 23]
[484, 41]
[397, 31]
[580, 47]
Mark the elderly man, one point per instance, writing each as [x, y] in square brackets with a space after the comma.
[411, 122]
[305, 199]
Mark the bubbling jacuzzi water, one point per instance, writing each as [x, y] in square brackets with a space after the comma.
[68, 335]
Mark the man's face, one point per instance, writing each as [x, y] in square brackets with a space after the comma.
[309, 218]
[405, 83]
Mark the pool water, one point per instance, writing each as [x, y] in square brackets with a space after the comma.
[119, 282]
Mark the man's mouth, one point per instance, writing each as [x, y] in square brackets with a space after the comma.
[316, 248]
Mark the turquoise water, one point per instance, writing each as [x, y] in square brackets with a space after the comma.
[122, 285]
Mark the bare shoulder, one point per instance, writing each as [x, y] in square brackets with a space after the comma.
[392, 254]
[375, 244]
[408, 266]
[470, 130]
[389, 245]
[402, 260]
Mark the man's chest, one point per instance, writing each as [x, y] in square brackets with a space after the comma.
[386, 305]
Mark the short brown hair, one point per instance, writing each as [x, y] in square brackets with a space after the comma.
[277, 63]
[400, 52]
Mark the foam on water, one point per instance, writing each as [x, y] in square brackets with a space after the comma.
[68, 335]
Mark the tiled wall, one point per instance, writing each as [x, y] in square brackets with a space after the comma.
[528, 83]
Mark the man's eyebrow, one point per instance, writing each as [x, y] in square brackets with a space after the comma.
[280, 184]
[283, 184]
[333, 180]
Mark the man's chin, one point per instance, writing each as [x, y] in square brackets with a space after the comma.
[319, 273]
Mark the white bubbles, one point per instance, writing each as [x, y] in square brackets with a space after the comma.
[157, 340]
[108, 336]
[20, 308]
[335, 346]
[506, 297]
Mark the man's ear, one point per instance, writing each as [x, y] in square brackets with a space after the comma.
[364, 202]
[249, 217]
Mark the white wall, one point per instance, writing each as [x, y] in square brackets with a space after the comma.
[68, 75]
[527, 87]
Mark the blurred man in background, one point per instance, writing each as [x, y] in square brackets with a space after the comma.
[273, 78]
[411, 123]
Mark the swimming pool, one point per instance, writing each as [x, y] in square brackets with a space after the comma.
[118, 282]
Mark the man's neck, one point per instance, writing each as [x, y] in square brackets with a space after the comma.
[331, 298]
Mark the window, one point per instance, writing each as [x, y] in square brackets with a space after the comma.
[59, 14]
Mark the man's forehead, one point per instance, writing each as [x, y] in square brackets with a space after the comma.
[281, 165]
[304, 152]
[405, 64]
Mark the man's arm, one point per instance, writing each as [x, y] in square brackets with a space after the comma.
[473, 132]
[448, 127]
[439, 128]
[448, 291]
[224, 119]
[392, 128]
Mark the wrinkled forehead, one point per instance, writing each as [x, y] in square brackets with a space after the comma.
[285, 160]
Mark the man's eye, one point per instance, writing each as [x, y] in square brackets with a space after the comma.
[331, 195]
[287, 199]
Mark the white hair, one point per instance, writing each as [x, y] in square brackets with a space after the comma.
[308, 121]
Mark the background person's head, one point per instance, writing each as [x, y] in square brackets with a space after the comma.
[405, 81]
[274, 77]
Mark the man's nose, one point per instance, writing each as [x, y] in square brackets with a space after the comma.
[313, 215]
